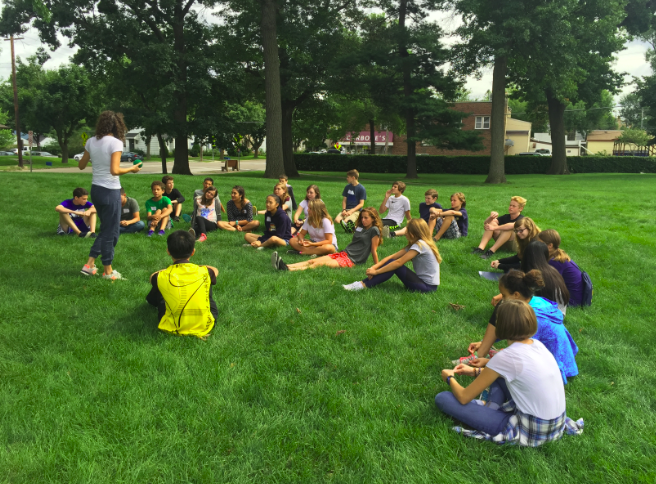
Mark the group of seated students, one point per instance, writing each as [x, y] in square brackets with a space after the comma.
[525, 403]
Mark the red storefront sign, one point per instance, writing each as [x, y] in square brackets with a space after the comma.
[364, 138]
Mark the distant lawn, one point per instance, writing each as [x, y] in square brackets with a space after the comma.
[10, 163]
[91, 391]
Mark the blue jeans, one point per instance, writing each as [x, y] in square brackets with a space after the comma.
[486, 419]
[408, 278]
[132, 229]
[108, 205]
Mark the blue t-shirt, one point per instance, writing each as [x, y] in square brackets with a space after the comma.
[79, 221]
[463, 222]
[424, 210]
[354, 194]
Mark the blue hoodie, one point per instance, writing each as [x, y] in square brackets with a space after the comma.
[554, 335]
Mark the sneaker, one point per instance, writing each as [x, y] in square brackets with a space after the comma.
[313, 256]
[274, 259]
[92, 235]
[176, 219]
[282, 266]
[354, 286]
[161, 232]
[83, 235]
[202, 238]
[477, 251]
[386, 232]
[344, 226]
[351, 226]
[493, 351]
[260, 248]
[487, 254]
[113, 276]
[192, 232]
[186, 218]
[293, 252]
[464, 360]
[245, 245]
[89, 271]
[150, 233]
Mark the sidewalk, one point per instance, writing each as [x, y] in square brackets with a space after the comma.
[197, 167]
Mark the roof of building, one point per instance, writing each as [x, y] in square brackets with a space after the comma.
[604, 135]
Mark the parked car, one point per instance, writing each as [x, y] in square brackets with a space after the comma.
[43, 153]
[6, 153]
[78, 157]
[544, 151]
[129, 156]
[529, 153]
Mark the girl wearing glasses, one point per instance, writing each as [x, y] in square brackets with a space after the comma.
[525, 232]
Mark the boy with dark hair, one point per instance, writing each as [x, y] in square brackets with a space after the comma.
[207, 182]
[397, 208]
[353, 197]
[174, 195]
[77, 215]
[290, 191]
[182, 293]
[130, 219]
[159, 208]
[430, 202]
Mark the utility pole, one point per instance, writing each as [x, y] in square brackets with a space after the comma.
[13, 71]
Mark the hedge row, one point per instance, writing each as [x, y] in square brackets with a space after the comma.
[472, 165]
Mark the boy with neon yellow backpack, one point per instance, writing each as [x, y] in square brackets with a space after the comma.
[182, 293]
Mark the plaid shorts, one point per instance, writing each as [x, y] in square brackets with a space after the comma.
[453, 232]
[342, 259]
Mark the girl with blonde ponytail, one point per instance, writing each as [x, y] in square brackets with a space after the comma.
[423, 253]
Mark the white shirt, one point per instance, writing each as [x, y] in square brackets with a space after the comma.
[533, 379]
[397, 206]
[305, 206]
[319, 234]
[208, 213]
[425, 264]
[101, 151]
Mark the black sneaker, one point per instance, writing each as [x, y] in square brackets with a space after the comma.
[487, 254]
[92, 235]
[176, 219]
[293, 252]
[282, 266]
[477, 251]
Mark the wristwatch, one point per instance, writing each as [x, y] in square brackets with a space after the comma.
[448, 380]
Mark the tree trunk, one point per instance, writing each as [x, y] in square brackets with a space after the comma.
[557, 126]
[256, 149]
[148, 138]
[407, 92]
[181, 155]
[64, 149]
[288, 139]
[163, 151]
[386, 139]
[372, 136]
[274, 161]
[497, 172]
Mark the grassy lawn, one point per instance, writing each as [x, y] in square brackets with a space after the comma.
[10, 163]
[92, 392]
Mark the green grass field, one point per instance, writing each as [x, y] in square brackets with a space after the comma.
[91, 391]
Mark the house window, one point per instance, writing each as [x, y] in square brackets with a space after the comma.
[482, 122]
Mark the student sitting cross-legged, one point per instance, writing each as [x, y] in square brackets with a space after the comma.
[159, 209]
[174, 195]
[501, 229]
[454, 223]
[353, 198]
[526, 401]
[366, 239]
[430, 202]
[182, 293]
[320, 226]
[277, 227]
[240, 212]
[397, 207]
[206, 214]
[77, 215]
[207, 182]
[420, 250]
[551, 331]
[130, 219]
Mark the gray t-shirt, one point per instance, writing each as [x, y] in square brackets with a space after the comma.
[425, 264]
[360, 247]
[129, 209]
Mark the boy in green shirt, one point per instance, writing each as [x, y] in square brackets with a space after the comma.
[159, 208]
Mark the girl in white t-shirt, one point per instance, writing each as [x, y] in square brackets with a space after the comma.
[423, 253]
[526, 402]
[319, 225]
[312, 193]
[206, 217]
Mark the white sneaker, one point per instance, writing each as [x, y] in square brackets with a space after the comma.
[245, 245]
[274, 260]
[113, 276]
[89, 271]
[354, 286]
[260, 248]
[386, 232]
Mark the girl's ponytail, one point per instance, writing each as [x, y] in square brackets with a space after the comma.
[533, 280]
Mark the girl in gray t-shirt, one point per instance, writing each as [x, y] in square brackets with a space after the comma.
[366, 239]
[423, 253]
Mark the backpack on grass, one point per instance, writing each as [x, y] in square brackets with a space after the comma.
[586, 297]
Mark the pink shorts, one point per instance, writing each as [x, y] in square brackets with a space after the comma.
[342, 259]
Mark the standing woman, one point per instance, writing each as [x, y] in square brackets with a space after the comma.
[104, 151]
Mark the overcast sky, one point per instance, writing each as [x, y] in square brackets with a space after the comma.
[631, 60]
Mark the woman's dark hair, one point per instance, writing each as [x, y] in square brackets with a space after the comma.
[516, 321]
[239, 189]
[180, 244]
[203, 199]
[524, 283]
[110, 122]
[276, 198]
[317, 193]
[536, 257]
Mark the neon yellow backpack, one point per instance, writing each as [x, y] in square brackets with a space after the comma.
[186, 291]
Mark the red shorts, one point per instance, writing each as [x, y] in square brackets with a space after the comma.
[342, 258]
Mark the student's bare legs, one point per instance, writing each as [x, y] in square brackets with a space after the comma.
[320, 250]
[66, 222]
[152, 224]
[502, 237]
[163, 222]
[229, 226]
[446, 223]
[250, 226]
[338, 218]
[403, 231]
[250, 238]
[177, 209]
[324, 261]
[274, 242]
[487, 236]
[91, 222]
